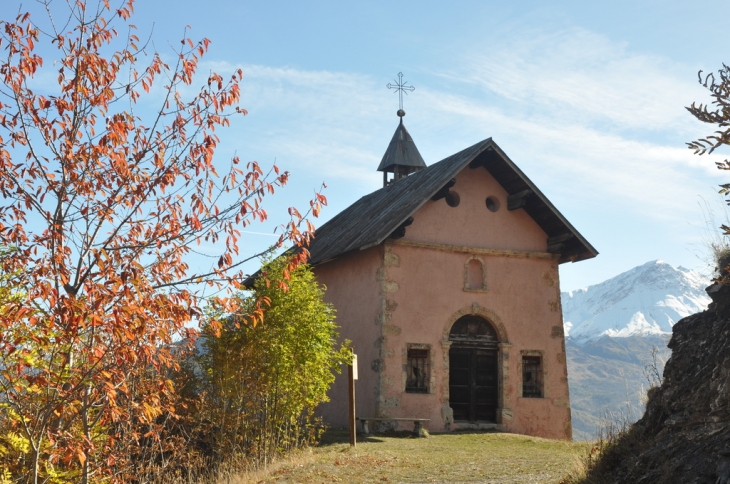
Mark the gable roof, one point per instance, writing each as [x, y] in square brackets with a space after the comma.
[401, 151]
[370, 220]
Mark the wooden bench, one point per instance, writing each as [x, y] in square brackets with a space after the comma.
[417, 424]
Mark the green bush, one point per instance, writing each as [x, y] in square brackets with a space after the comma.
[263, 381]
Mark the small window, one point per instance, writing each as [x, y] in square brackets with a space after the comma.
[492, 204]
[417, 371]
[453, 199]
[474, 276]
[531, 377]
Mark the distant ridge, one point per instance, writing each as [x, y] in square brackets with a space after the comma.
[646, 300]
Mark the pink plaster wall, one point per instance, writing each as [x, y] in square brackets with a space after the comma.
[471, 223]
[354, 291]
[522, 293]
[394, 295]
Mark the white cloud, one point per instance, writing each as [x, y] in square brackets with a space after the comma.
[578, 74]
[327, 121]
[583, 115]
[585, 163]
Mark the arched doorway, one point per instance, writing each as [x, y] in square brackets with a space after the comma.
[473, 370]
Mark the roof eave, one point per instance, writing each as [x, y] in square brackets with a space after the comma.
[590, 249]
[488, 142]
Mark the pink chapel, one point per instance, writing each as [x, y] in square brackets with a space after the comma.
[446, 281]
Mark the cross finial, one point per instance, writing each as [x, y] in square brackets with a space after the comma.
[400, 87]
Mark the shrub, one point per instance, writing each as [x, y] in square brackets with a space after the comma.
[263, 381]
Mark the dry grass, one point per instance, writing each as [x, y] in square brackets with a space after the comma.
[398, 458]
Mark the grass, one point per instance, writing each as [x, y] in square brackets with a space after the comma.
[398, 458]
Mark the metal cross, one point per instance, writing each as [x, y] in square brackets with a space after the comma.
[400, 87]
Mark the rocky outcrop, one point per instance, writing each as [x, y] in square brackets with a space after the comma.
[684, 435]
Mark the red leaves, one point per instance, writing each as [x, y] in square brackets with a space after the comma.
[119, 203]
[125, 12]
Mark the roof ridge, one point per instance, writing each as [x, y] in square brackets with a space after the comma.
[372, 218]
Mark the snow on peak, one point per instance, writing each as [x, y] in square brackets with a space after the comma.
[647, 299]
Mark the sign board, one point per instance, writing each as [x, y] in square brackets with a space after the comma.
[354, 367]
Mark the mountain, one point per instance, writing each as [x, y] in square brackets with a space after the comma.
[646, 300]
[609, 378]
[617, 334]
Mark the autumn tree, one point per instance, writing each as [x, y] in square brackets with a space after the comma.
[103, 206]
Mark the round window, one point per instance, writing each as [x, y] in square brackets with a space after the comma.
[453, 199]
[492, 204]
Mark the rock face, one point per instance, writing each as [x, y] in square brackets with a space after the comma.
[684, 435]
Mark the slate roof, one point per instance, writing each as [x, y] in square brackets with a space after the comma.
[401, 151]
[370, 220]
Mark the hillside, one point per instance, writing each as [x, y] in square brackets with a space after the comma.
[609, 378]
[684, 436]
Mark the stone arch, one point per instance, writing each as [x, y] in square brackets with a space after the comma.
[477, 310]
[504, 413]
[473, 330]
[475, 274]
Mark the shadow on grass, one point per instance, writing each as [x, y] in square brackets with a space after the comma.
[334, 437]
[468, 432]
[340, 436]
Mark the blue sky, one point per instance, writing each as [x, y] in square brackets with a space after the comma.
[588, 99]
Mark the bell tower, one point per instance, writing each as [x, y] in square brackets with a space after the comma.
[402, 157]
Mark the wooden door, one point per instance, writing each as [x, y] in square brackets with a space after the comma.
[473, 383]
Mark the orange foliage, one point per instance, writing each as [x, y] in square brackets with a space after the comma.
[104, 209]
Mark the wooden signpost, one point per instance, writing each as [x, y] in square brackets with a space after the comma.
[352, 376]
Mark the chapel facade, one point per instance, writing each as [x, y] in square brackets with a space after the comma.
[446, 281]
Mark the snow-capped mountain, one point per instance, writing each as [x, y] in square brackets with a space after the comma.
[647, 300]
[619, 328]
